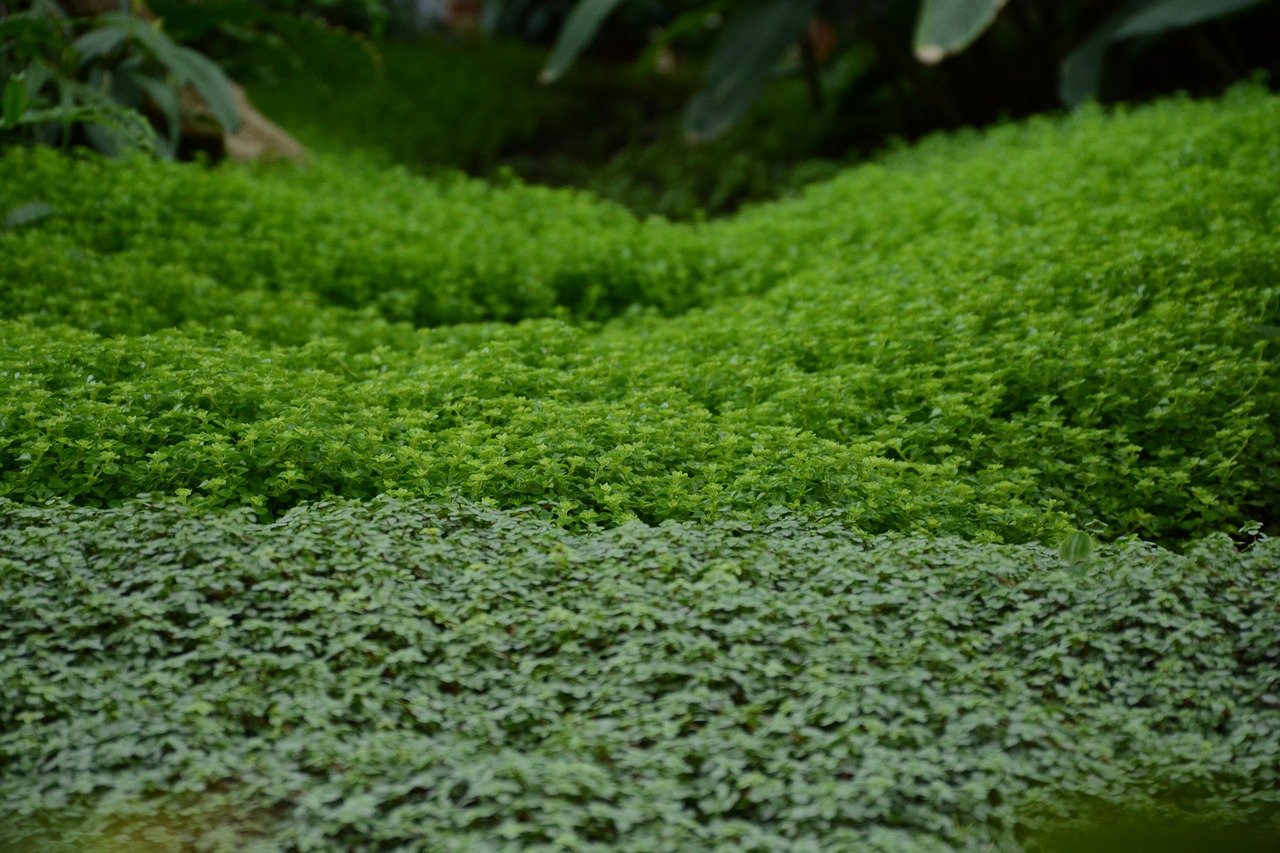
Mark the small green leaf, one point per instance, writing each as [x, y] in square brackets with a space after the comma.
[101, 41]
[25, 214]
[1076, 548]
[1266, 331]
[15, 99]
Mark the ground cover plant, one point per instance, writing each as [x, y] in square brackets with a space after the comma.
[352, 508]
[393, 675]
[980, 352]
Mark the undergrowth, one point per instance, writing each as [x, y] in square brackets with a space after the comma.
[396, 675]
[476, 106]
[355, 508]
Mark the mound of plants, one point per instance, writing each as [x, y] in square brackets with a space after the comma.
[944, 341]
[354, 508]
[347, 233]
[372, 676]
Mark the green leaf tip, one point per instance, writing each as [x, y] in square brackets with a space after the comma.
[945, 27]
[1076, 548]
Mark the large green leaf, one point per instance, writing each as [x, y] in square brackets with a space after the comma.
[166, 99]
[210, 81]
[25, 214]
[742, 63]
[188, 66]
[1081, 75]
[949, 26]
[579, 29]
[1168, 15]
[15, 100]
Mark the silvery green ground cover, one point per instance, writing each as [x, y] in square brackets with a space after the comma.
[349, 509]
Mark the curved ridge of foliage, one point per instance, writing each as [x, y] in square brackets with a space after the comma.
[347, 235]
[997, 335]
[370, 675]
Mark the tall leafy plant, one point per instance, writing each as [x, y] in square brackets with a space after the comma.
[758, 34]
[101, 74]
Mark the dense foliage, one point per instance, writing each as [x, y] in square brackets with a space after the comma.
[352, 508]
[395, 675]
[943, 341]
[99, 75]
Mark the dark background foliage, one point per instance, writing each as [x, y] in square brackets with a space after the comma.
[367, 505]
[839, 87]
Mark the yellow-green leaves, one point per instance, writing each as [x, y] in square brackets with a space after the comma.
[1080, 356]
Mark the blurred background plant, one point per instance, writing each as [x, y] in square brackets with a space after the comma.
[676, 107]
[99, 77]
[1002, 57]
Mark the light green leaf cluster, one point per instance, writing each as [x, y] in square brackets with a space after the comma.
[390, 244]
[1001, 336]
[352, 509]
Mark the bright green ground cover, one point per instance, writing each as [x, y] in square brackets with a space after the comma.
[991, 338]
[996, 336]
